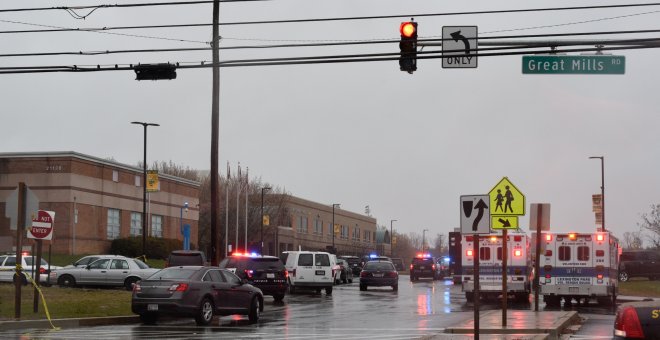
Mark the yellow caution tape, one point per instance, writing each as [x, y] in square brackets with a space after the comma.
[43, 300]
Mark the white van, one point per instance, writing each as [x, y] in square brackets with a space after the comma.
[309, 270]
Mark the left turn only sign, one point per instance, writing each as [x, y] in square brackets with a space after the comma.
[42, 225]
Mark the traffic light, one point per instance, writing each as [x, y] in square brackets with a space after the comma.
[155, 71]
[408, 46]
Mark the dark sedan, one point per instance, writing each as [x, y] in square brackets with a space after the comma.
[638, 320]
[195, 291]
[379, 274]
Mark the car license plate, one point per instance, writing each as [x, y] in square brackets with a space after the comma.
[378, 275]
[320, 272]
[421, 267]
[270, 275]
[152, 307]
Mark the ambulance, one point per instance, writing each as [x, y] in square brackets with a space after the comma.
[580, 267]
[519, 269]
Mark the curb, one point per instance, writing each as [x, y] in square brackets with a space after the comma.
[69, 323]
[553, 332]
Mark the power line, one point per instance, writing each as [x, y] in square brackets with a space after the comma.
[95, 7]
[301, 61]
[368, 42]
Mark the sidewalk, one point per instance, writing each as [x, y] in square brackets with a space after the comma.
[520, 325]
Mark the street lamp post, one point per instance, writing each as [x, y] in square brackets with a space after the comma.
[602, 187]
[261, 251]
[424, 239]
[185, 233]
[144, 187]
[333, 224]
[391, 238]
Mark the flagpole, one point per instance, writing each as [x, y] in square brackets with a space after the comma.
[227, 211]
[247, 182]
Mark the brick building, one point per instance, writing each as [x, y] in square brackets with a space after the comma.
[94, 200]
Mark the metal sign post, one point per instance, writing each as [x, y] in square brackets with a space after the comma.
[505, 239]
[476, 286]
[20, 226]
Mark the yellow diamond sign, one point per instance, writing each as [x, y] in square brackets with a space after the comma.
[506, 199]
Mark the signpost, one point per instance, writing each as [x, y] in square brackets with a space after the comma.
[573, 64]
[459, 46]
[506, 203]
[41, 229]
[475, 220]
[539, 219]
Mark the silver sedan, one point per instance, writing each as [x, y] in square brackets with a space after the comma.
[112, 271]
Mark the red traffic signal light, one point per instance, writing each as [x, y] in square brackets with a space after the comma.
[408, 47]
[408, 29]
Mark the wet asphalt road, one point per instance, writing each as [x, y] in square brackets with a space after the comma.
[418, 309]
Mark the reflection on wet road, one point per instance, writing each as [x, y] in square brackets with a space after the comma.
[416, 310]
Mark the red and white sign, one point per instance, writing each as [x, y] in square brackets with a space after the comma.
[42, 226]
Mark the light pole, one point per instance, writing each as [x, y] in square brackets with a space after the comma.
[391, 238]
[333, 224]
[144, 187]
[424, 240]
[183, 232]
[602, 187]
[261, 251]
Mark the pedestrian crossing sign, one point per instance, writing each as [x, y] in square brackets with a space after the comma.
[506, 199]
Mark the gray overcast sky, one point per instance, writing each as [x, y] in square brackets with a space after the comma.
[355, 133]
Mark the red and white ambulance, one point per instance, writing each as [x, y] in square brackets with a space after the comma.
[519, 267]
[579, 266]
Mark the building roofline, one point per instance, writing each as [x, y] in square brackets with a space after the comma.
[62, 154]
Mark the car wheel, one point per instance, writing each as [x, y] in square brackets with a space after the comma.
[205, 312]
[344, 280]
[278, 297]
[292, 288]
[255, 308]
[129, 282]
[363, 287]
[66, 281]
[469, 296]
[623, 276]
[328, 291]
[350, 280]
[149, 318]
[395, 288]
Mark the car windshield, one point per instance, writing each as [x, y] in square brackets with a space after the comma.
[141, 264]
[173, 273]
[379, 266]
[353, 261]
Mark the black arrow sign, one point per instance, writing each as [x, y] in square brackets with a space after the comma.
[458, 36]
[481, 206]
[505, 223]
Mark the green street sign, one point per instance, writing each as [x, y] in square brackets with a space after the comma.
[573, 64]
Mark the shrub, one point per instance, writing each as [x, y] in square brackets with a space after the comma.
[157, 248]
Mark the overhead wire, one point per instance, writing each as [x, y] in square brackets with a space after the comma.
[94, 7]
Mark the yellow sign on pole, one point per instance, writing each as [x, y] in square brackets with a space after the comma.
[266, 220]
[506, 199]
[504, 222]
[152, 181]
[336, 229]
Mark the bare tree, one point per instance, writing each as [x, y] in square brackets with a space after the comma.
[651, 223]
[632, 240]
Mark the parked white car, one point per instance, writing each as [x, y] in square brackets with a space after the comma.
[8, 268]
[112, 270]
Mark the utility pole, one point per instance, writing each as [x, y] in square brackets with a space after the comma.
[215, 122]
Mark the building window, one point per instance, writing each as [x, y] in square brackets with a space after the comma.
[156, 226]
[302, 224]
[113, 224]
[137, 180]
[115, 176]
[367, 236]
[330, 228]
[318, 226]
[344, 231]
[136, 224]
[356, 233]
